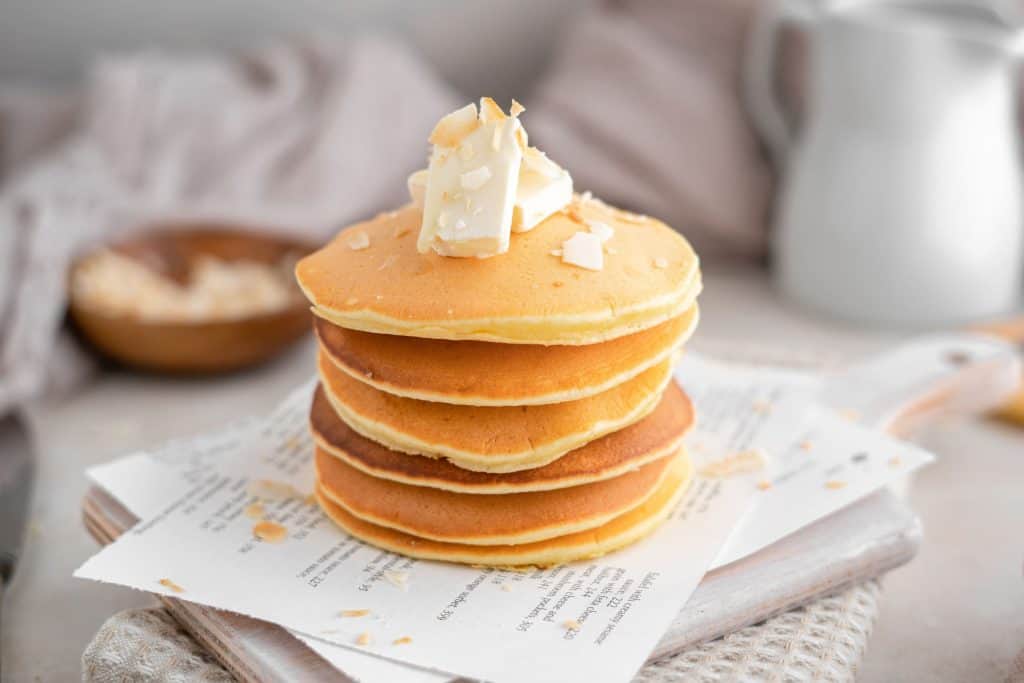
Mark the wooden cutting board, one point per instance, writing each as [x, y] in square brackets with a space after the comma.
[858, 542]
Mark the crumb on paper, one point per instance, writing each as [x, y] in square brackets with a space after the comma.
[271, 532]
[359, 241]
[895, 461]
[255, 511]
[354, 612]
[507, 587]
[764, 484]
[272, 491]
[397, 578]
[762, 407]
[171, 586]
[835, 484]
[806, 445]
[404, 640]
[571, 625]
[750, 460]
[364, 638]
[849, 414]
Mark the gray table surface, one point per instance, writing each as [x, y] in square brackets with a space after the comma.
[954, 613]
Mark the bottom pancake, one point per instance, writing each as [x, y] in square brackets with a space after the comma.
[584, 545]
[481, 519]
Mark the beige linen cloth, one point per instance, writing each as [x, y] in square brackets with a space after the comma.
[641, 105]
[822, 641]
[301, 136]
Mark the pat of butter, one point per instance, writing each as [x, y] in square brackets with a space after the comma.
[538, 195]
[417, 183]
[471, 184]
[544, 188]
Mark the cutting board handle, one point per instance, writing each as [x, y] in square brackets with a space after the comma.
[901, 389]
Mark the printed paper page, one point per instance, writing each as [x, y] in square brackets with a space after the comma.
[147, 482]
[622, 603]
[594, 620]
[815, 456]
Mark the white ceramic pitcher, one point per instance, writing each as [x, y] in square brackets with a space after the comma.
[901, 197]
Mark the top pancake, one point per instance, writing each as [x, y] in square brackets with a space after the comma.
[489, 374]
[525, 296]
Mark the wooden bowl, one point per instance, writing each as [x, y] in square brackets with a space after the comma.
[196, 347]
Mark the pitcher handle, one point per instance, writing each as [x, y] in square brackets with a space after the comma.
[1016, 45]
[760, 64]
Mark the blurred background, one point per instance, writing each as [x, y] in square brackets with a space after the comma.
[849, 172]
[54, 42]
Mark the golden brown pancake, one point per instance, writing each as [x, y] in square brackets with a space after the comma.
[489, 374]
[614, 534]
[476, 519]
[526, 296]
[657, 435]
[490, 438]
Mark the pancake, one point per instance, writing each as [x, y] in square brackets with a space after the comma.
[526, 296]
[582, 545]
[490, 438]
[657, 435]
[474, 519]
[489, 374]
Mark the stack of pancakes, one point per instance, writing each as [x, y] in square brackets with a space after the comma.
[515, 410]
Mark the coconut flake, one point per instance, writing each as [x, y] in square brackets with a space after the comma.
[603, 231]
[451, 130]
[475, 179]
[490, 111]
[359, 241]
[583, 249]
